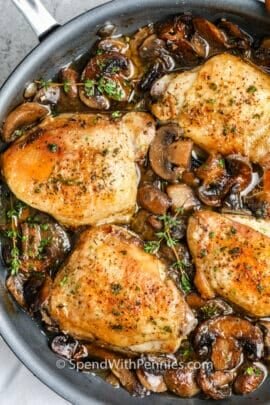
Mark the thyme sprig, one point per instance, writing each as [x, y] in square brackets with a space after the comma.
[166, 236]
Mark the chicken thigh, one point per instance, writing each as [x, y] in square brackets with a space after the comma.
[111, 291]
[80, 168]
[232, 258]
[223, 106]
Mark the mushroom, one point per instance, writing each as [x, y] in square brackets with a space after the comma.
[44, 246]
[261, 55]
[65, 346]
[105, 79]
[249, 336]
[250, 378]
[106, 30]
[135, 43]
[48, 95]
[167, 135]
[177, 32]
[240, 169]
[118, 367]
[140, 225]
[235, 36]
[213, 308]
[216, 182]
[212, 34]
[265, 326]
[113, 45]
[30, 90]
[182, 197]
[215, 384]
[226, 354]
[15, 285]
[151, 382]
[21, 118]
[182, 381]
[70, 78]
[153, 200]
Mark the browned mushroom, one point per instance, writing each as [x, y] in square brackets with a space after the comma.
[135, 44]
[153, 200]
[235, 36]
[67, 347]
[126, 377]
[265, 326]
[70, 78]
[195, 301]
[216, 182]
[22, 117]
[159, 152]
[15, 285]
[215, 384]
[212, 34]
[250, 378]
[152, 382]
[140, 225]
[226, 354]
[105, 78]
[113, 45]
[213, 308]
[249, 336]
[240, 169]
[48, 95]
[182, 197]
[182, 381]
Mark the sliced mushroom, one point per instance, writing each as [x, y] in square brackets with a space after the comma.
[215, 384]
[261, 55]
[15, 285]
[30, 90]
[153, 200]
[67, 347]
[182, 381]
[22, 117]
[106, 30]
[126, 377]
[235, 36]
[105, 78]
[250, 378]
[70, 78]
[213, 35]
[240, 169]
[249, 336]
[140, 225]
[158, 154]
[195, 301]
[48, 95]
[212, 170]
[113, 45]
[226, 354]
[265, 326]
[179, 153]
[136, 42]
[213, 308]
[151, 382]
[44, 246]
[182, 197]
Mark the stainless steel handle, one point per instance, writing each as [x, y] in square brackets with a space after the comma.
[38, 17]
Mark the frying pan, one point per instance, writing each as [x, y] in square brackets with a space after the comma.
[58, 46]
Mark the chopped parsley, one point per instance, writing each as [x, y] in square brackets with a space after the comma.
[251, 89]
[53, 147]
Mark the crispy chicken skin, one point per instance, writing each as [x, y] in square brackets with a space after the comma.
[223, 106]
[232, 258]
[80, 168]
[112, 291]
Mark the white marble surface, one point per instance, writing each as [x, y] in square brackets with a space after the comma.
[17, 384]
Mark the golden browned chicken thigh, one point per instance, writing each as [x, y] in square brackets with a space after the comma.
[232, 258]
[80, 168]
[111, 291]
[223, 106]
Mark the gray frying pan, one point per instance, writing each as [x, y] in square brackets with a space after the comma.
[58, 46]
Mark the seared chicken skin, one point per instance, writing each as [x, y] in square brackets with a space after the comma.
[80, 168]
[232, 258]
[223, 106]
[111, 291]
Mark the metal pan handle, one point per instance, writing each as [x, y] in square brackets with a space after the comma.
[38, 17]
